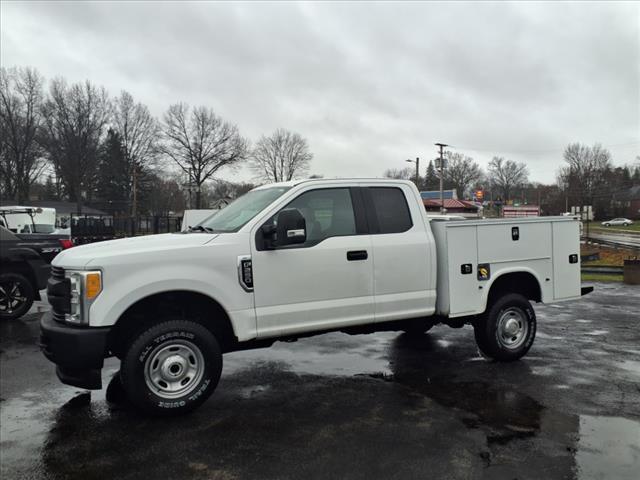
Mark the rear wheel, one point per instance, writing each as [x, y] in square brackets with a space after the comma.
[16, 295]
[507, 329]
[171, 368]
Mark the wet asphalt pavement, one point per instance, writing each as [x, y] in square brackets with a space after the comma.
[368, 406]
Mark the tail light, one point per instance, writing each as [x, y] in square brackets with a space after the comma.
[66, 243]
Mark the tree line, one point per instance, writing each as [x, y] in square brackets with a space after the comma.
[463, 174]
[75, 142]
[586, 177]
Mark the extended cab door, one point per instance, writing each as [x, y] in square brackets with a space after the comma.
[325, 282]
[404, 251]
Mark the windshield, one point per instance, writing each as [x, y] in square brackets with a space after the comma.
[43, 228]
[233, 217]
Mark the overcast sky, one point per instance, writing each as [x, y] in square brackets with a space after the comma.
[368, 85]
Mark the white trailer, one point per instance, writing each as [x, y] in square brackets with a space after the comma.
[20, 219]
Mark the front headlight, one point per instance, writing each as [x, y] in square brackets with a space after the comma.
[85, 288]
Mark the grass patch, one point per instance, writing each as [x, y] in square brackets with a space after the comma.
[608, 255]
[601, 277]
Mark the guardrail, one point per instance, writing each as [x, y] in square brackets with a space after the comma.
[610, 269]
[611, 243]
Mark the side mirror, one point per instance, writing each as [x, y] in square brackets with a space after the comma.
[291, 227]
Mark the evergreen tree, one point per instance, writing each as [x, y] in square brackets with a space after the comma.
[431, 180]
[113, 185]
[50, 191]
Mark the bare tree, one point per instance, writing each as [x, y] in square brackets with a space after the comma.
[586, 172]
[138, 132]
[201, 143]
[75, 119]
[462, 172]
[21, 156]
[281, 157]
[505, 175]
[408, 173]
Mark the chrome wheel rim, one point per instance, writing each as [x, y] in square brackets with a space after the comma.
[513, 328]
[175, 369]
[11, 297]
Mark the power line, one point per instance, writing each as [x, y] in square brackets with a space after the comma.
[526, 152]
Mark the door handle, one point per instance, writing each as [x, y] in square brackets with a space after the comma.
[357, 255]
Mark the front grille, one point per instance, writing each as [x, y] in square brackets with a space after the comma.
[57, 273]
[59, 293]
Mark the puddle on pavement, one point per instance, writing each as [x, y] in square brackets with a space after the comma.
[608, 447]
[27, 421]
[632, 366]
[597, 332]
[330, 354]
[593, 447]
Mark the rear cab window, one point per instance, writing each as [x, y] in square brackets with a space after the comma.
[390, 210]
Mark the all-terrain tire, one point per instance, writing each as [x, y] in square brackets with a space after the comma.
[171, 368]
[507, 329]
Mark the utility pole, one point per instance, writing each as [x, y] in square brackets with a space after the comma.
[134, 203]
[417, 162]
[441, 145]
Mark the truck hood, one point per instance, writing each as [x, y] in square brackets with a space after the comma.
[95, 253]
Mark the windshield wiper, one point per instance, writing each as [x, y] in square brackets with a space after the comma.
[200, 228]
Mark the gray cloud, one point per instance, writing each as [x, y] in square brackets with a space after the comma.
[368, 84]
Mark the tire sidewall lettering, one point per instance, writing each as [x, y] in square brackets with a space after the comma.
[156, 337]
[183, 401]
[161, 339]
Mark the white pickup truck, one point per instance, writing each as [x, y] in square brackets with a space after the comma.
[290, 260]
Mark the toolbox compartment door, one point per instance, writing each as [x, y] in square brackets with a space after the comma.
[566, 260]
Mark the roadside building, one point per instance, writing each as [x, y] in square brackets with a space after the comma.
[435, 194]
[513, 211]
[454, 206]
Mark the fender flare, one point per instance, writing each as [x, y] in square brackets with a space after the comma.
[506, 271]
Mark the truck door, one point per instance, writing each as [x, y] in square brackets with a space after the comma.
[325, 282]
[404, 267]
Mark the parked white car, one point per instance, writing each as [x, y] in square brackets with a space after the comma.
[290, 260]
[625, 222]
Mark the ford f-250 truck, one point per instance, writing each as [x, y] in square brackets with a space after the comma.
[291, 260]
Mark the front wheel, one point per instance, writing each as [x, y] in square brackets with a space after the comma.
[507, 329]
[171, 368]
[16, 295]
